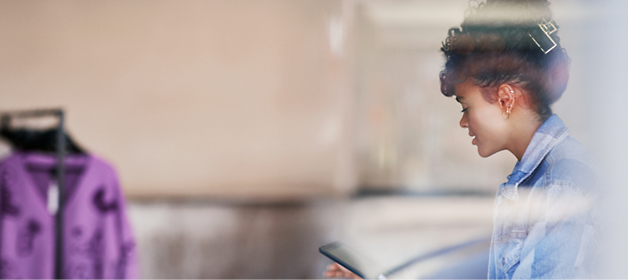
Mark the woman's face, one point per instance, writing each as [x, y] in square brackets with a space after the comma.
[483, 119]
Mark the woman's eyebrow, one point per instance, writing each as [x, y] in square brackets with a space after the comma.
[458, 98]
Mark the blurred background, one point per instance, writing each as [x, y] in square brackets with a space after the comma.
[248, 133]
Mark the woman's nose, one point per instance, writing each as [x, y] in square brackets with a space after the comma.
[463, 121]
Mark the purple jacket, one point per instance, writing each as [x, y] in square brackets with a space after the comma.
[98, 241]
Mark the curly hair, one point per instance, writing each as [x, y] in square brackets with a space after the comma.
[493, 46]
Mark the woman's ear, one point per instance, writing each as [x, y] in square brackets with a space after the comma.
[506, 97]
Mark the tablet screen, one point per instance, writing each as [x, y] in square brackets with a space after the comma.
[353, 261]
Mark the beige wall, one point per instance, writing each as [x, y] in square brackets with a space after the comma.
[264, 99]
[221, 98]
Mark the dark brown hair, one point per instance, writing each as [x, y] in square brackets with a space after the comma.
[494, 46]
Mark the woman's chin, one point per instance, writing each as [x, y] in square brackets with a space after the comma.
[485, 153]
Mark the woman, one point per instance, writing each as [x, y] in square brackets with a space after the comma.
[506, 67]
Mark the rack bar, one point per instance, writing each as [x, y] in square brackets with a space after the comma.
[61, 187]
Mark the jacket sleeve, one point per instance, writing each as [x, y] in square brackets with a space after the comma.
[561, 235]
[128, 261]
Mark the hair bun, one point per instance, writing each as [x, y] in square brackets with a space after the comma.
[557, 78]
[495, 45]
[490, 42]
[462, 44]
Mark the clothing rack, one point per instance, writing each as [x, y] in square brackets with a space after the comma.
[60, 149]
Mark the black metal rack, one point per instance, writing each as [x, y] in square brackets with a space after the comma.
[60, 150]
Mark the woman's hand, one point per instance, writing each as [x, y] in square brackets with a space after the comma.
[337, 271]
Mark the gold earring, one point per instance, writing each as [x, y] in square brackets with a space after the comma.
[506, 115]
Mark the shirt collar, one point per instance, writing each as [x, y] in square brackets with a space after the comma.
[551, 132]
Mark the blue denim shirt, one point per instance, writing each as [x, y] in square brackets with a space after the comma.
[544, 224]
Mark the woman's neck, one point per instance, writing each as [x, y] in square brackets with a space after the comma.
[523, 128]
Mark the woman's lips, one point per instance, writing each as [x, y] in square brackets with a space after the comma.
[474, 141]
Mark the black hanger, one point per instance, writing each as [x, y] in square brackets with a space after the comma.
[36, 140]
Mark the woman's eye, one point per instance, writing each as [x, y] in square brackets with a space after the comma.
[464, 110]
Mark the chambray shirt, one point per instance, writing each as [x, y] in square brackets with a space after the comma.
[545, 225]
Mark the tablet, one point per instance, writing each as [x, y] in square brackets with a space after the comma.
[353, 261]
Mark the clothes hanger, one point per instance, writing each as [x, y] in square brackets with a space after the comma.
[25, 139]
